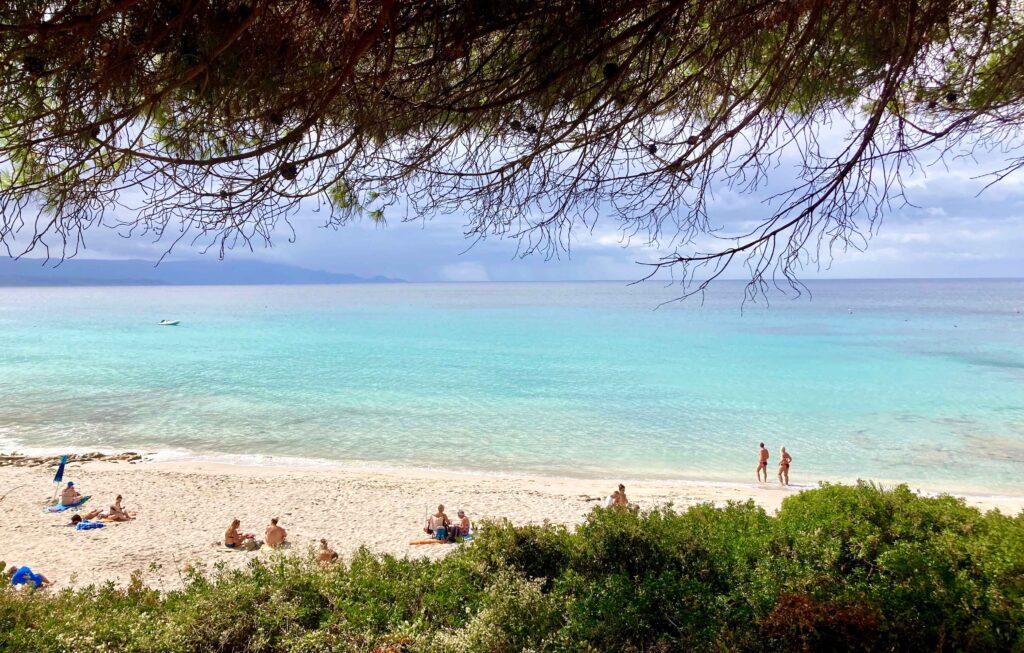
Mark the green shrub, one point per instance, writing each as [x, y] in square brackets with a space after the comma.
[856, 568]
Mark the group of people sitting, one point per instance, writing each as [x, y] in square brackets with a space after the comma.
[440, 527]
[116, 513]
[275, 536]
[618, 499]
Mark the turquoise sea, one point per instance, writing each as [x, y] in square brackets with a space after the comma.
[916, 381]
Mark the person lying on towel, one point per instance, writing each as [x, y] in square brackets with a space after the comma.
[84, 524]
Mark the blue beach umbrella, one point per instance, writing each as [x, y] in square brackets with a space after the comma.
[59, 476]
[60, 469]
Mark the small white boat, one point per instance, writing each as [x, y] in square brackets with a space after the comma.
[169, 322]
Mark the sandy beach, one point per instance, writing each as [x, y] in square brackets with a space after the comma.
[184, 507]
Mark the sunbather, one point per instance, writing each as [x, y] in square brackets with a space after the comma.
[117, 512]
[233, 539]
[84, 524]
[437, 524]
[327, 554]
[461, 527]
[94, 514]
[69, 496]
[23, 575]
[275, 535]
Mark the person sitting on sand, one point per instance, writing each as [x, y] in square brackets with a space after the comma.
[762, 464]
[23, 575]
[620, 496]
[233, 539]
[117, 512]
[438, 523]
[326, 554]
[461, 527]
[275, 535]
[784, 466]
[69, 496]
[610, 500]
[620, 499]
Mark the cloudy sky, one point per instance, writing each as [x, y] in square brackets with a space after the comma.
[951, 231]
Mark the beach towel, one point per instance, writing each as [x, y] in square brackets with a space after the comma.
[61, 508]
[87, 525]
[430, 541]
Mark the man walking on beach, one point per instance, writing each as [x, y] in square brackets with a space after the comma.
[762, 464]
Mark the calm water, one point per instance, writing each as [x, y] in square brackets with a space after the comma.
[922, 382]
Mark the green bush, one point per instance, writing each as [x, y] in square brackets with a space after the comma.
[855, 568]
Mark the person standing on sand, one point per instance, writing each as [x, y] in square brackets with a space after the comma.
[762, 464]
[275, 534]
[784, 466]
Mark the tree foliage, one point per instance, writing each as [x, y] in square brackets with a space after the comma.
[211, 120]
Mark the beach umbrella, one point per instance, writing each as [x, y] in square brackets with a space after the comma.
[59, 476]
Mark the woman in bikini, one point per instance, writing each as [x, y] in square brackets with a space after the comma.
[233, 539]
[117, 513]
[784, 466]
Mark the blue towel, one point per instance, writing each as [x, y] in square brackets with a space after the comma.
[61, 507]
[86, 525]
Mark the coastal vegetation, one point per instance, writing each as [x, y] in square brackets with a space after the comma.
[532, 118]
[857, 568]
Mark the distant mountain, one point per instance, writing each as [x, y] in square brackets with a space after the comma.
[91, 272]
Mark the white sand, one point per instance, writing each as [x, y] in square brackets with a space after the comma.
[185, 507]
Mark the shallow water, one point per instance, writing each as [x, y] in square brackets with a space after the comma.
[917, 381]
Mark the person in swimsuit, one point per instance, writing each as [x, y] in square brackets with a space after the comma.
[69, 496]
[23, 575]
[275, 535]
[326, 554]
[461, 529]
[233, 539]
[75, 519]
[762, 464]
[438, 523]
[784, 466]
[619, 497]
[117, 513]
